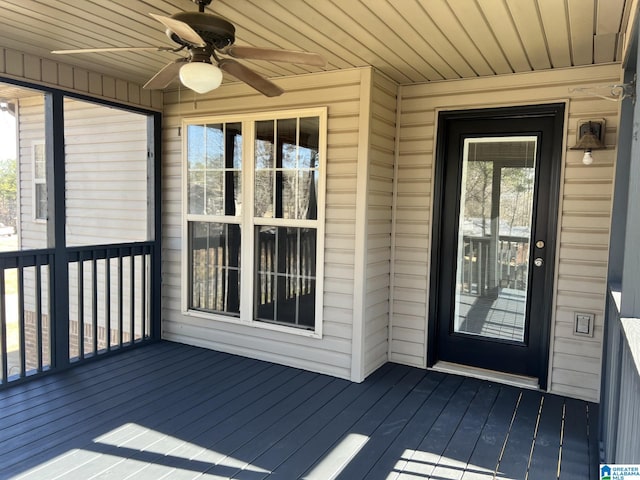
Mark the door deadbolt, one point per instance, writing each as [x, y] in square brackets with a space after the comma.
[538, 262]
[540, 244]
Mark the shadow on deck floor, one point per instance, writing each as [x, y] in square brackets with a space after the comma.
[178, 412]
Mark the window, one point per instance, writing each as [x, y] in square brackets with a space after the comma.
[39, 182]
[257, 264]
[214, 207]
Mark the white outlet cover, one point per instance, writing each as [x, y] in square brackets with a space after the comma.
[584, 324]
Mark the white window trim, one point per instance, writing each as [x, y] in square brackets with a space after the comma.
[248, 221]
[36, 181]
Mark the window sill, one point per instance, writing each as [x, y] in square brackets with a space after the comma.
[253, 324]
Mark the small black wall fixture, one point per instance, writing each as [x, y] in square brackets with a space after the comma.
[590, 135]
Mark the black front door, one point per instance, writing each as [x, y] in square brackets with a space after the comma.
[497, 177]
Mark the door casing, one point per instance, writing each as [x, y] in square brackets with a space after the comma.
[553, 112]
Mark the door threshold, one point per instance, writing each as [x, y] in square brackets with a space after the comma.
[491, 375]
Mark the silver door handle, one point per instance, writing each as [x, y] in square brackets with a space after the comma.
[538, 262]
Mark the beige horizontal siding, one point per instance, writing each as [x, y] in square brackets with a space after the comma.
[584, 215]
[340, 92]
[30, 68]
[379, 219]
[100, 209]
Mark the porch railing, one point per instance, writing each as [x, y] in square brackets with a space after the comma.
[619, 406]
[109, 305]
[482, 269]
[25, 331]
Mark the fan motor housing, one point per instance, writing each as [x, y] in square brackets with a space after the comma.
[214, 30]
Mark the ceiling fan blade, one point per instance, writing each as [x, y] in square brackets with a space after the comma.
[166, 75]
[114, 49]
[183, 30]
[251, 78]
[273, 55]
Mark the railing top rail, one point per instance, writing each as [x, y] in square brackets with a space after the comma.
[28, 258]
[502, 238]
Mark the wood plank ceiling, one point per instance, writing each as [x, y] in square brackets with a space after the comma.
[412, 41]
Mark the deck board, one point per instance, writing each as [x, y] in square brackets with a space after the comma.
[484, 460]
[179, 412]
[395, 428]
[458, 453]
[575, 458]
[330, 422]
[428, 455]
[517, 451]
[215, 412]
[547, 442]
[357, 421]
[103, 406]
[397, 453]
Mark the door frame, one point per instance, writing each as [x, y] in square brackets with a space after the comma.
[556, 113]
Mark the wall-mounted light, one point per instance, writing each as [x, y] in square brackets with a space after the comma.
[590, 135]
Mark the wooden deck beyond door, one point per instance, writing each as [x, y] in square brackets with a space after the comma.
[178, 412]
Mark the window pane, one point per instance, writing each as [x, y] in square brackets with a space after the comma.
[39, 162]
[41, 201]
[214, 251]
[265, 272]
[288, 194]
[196, 192]
[307, 256]
[285, 275]
[234, 131]
[264, 145]
[214, 146]
[287, 142]
[307, 304]
[195, 147]
[309, 135]
[263, 198]
[235, 208]
[215, 193]
[307, 194]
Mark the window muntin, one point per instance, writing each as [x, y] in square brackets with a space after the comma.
[277, 159]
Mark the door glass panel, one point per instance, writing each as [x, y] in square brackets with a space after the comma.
[494, 235]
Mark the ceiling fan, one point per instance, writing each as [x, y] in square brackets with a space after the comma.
[209, 40]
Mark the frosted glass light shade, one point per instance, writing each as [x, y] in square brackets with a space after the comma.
[200, 77]
[587, 159]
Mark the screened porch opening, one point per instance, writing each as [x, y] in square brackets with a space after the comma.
[78, 249]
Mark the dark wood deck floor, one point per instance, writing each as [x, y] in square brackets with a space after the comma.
[178, 412]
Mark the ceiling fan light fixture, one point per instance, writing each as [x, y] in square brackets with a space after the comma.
[201, 77]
